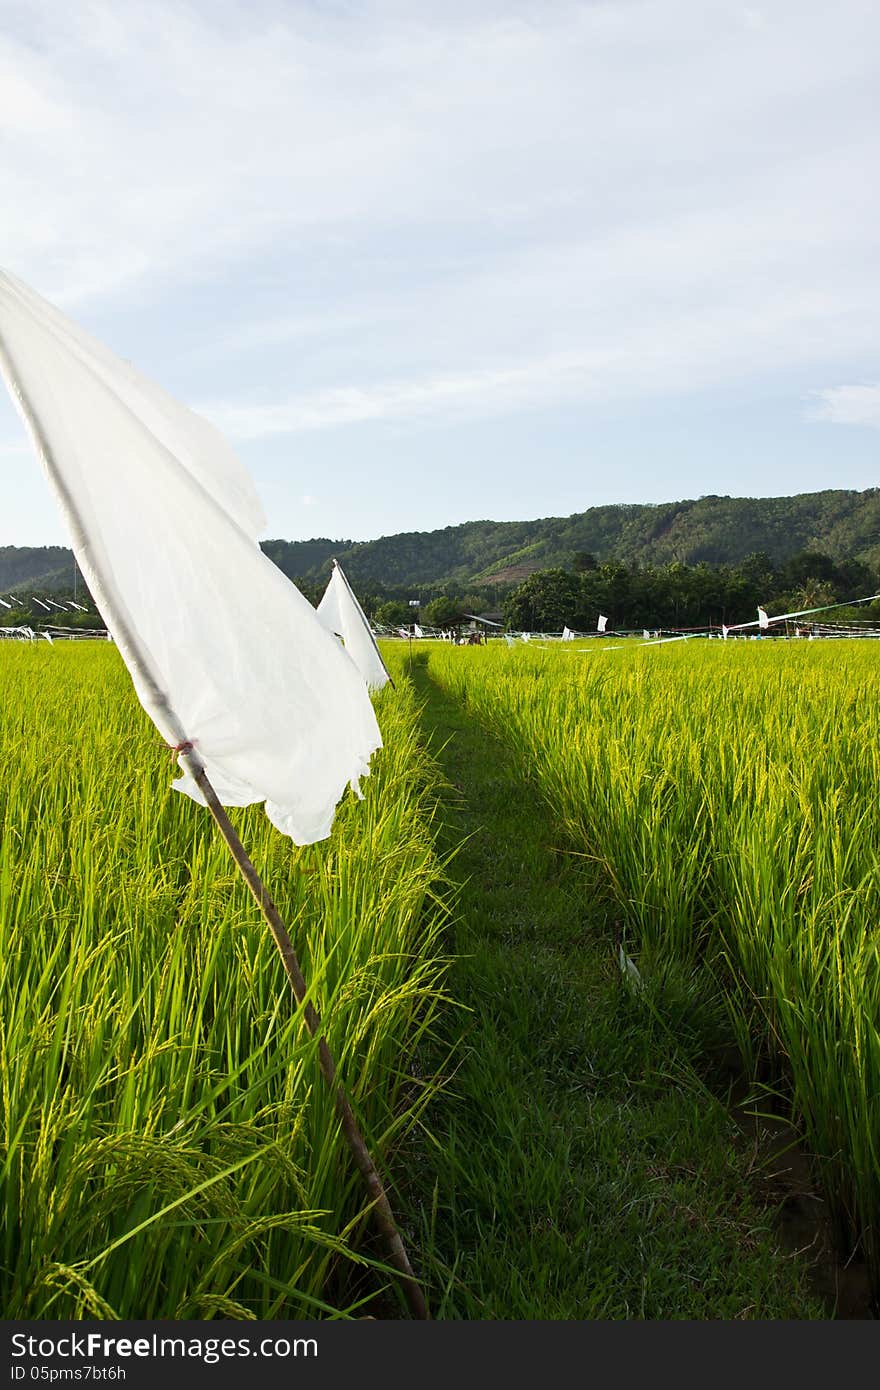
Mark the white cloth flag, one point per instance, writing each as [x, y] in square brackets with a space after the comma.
[223, 650]
[340, 613]
[763, 620]
[567, 634]
[600, 626]
[724, 631]
[417, 631]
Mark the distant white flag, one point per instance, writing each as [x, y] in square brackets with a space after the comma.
[224, 652]
[508, 639]
[48, 638]
[417, 631]
[724, 631]
[567, 634]
[340, 613]
[763, 620]
[600, 626]
[527, 637]
[646, 634]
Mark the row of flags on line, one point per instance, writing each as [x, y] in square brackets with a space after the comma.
[48, 604]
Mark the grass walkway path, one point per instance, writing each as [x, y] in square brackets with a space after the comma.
[577, 1167]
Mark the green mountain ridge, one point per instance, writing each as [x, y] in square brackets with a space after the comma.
[713, 530]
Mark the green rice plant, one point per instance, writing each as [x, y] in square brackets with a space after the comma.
[729, 792]
[166, 1146]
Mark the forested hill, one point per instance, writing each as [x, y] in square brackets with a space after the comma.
[714, 530]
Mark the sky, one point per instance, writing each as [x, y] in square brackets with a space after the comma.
[425, 263]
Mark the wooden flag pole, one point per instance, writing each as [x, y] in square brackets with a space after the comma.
[382, 1212]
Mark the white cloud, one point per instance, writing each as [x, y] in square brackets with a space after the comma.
[486, 390]
[848, 405]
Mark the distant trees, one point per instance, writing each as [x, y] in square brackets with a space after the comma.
[443, 612]
[582, 561]
[393, 613]
[681, 596]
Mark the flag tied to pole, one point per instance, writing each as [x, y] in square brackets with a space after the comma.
[600, 626]
[224, 652]
[763, 620]
[341, 614]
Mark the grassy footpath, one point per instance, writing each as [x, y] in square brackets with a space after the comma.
[577, 1166]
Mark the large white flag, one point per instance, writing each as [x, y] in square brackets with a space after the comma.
[224, 652]
[600, 626]
[340, 613]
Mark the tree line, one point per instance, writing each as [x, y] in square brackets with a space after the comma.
[685, 596]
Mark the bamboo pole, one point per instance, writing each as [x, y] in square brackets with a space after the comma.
[383, 1215]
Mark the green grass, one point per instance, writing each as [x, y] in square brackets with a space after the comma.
[727, 794]
[576, 1166]
[167, 1149]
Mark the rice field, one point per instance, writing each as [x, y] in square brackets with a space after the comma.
[729, 795]
[167, 1149]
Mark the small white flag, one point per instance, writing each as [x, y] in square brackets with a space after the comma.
[340, 613]
[567, 634]
[646, 634]
[417, 631]
[600, 626]
[763, 620]
[527, 637]
[724, 631]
